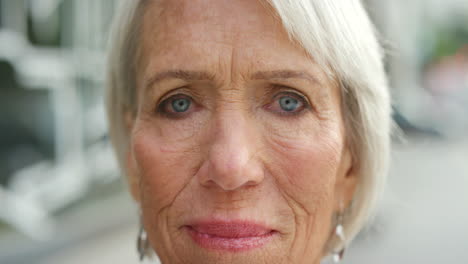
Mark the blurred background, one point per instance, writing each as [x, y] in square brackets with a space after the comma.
[63, 200]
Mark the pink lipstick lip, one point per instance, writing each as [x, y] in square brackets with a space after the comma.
[231, 236]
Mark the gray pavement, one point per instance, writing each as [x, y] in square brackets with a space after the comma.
[424, 217]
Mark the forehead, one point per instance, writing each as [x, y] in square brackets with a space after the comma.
[183, 22]
[212, 33]
[234, 16]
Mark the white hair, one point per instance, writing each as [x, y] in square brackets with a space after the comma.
[341, 38]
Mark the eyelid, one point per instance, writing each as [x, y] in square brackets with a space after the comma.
[176, 91]
[276, 89]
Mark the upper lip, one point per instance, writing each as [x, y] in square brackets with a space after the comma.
[230, 228]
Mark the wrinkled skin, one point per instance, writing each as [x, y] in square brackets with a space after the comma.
[234, 153]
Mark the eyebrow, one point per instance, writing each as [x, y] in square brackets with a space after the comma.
[284, 74]
[178, 74]
[201, 75]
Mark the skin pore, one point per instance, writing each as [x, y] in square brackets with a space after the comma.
[234, 122]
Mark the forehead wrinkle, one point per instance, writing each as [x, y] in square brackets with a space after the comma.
[168, 28]
[192, 12]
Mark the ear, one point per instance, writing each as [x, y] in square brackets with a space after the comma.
[132, 174]
[346, 181]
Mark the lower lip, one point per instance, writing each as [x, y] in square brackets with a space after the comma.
[232, 244]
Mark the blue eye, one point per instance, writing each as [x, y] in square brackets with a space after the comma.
[181, 105]
[289, 104]
[176, 106]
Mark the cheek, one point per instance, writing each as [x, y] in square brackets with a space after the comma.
[307, 169]
[163, 168]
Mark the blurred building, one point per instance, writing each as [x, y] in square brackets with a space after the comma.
[54, 151]
[426, 43]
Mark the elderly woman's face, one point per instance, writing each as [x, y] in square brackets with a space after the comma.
[237, 150]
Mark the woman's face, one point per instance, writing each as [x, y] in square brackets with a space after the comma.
[237, 150]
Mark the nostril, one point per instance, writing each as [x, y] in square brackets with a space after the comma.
[251, 183]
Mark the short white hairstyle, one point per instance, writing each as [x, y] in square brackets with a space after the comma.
[341, 38]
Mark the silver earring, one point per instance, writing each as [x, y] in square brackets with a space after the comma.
[142, 243]
[338, 255]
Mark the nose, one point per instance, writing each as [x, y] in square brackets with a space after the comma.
[232, 161]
